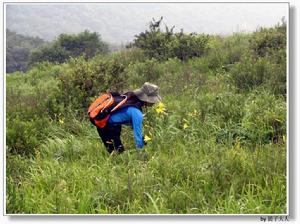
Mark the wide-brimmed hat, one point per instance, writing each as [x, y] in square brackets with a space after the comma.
[148, 93]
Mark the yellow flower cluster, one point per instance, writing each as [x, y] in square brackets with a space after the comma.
[185, 123]
[193, 114]
[160, 108]
[147, 138]
[185, 126]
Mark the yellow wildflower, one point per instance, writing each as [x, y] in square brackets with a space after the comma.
[185, 126]
[193, 114]
[61, 121]
[161, 108]
[147, 138]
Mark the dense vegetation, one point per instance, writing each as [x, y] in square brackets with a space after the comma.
[217, 142]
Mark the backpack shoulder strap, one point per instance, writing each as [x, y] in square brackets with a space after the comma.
[120, 104]
[133, 101]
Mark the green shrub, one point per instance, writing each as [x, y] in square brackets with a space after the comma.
[227, 106]
[267, 40]
[276, 79]
[200, 64]
[163, 45]
[23, 137]
[215, 56]
[187, 46]
[148, 71]
[131, 56]
[250, 73]
[231, 133]
[30, 105]
[83, 80]
[265, 117]
[235, 47]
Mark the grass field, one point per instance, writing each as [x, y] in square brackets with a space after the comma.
[214, 147]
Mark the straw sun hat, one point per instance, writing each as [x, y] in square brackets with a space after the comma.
[148, 93]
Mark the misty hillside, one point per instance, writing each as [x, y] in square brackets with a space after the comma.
[120, 22]
[18, 49]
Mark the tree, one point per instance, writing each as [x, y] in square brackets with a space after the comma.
[69, 45]
[163, 45]
[18, 48]
[153, 42]
[86, 43]
[49, 52]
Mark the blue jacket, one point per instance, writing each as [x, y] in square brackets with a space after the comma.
[132, 116]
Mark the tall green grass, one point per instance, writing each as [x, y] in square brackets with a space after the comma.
[219, 147]
[180, 171]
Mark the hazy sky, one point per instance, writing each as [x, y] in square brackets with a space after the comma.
[119, 22]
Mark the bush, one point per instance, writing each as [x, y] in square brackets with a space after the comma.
[265, 41]
[148, 71]
[265, 117]
[215, 57]
[228, 106]
[222, 52]
[276, 79]
[187, 46]
[163, 45]
[30, 106]
[48, 52]
[33, 94]
[251, 73]
[235, 47]
[22, 137]
[83, 80]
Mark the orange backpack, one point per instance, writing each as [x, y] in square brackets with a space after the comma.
[99, 111]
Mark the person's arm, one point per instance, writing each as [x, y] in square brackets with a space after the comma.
[137, 125]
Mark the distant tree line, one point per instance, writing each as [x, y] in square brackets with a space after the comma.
[18, 48]
[23, 52]
[69, 45]
[159, 44]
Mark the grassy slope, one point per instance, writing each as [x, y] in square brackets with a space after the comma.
[182, 170]
[73, 174]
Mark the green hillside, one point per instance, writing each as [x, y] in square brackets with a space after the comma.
[18, 48]
[217, 141]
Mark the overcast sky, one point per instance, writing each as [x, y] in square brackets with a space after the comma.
[119, 22]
